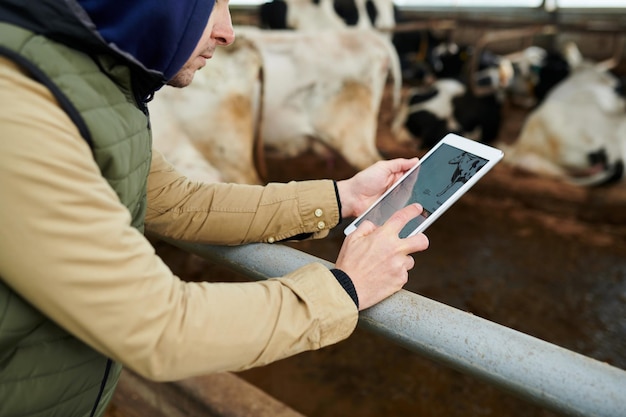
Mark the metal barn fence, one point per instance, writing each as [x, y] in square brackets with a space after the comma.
[535, 370]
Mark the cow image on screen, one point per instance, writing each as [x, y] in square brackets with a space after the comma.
[466, 166]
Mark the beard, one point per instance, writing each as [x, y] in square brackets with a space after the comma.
[184, 77]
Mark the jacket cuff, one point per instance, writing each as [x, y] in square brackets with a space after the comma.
[338, 200]
[347, 284]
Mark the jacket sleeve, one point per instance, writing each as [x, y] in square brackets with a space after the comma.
[236, 213]
[67, 248]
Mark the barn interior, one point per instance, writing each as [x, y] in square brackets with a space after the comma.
[535, 254]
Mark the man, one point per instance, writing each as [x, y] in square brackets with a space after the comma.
[81, 290]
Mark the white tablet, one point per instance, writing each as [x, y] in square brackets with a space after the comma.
[439, 179]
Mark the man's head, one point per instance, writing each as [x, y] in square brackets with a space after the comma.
[167, 37]
[218, 32]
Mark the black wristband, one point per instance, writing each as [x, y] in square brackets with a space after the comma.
[347, 284]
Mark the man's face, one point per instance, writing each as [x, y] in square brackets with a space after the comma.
[218, 32]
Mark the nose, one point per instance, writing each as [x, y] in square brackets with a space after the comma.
[223, 31]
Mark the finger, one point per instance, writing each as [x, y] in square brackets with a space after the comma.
[416, 243]
[410, 262]
[364, 229]
[401, 217]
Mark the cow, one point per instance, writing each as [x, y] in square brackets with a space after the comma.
[379, 14]
[325, 87]
[327, 14]
[170, 139]
[314, 88]
[299, 15]
[412, 46]
[469, 102]
[427, 114]
[467, 165]
[578, 133]
[451, 103]
[538, 70]
[216, 118]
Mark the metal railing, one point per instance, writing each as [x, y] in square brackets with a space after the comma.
[535, 370]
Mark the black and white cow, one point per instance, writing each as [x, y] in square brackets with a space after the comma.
[578, 132]
[414, 47]
[467, 165]
[469, 102]
[324, 14]
[538, 70]
[452, 103]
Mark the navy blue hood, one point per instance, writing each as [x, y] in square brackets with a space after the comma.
[160, 34]
[155, 37]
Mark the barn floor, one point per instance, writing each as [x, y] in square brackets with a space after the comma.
[538, 256]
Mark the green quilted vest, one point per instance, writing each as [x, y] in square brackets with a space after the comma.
[45, 371]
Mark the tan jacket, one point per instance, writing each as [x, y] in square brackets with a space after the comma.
[66, 246]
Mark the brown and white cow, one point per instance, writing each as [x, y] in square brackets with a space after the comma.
[316, 88]
[324, 87]
[215, 119]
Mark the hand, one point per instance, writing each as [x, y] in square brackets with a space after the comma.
[360, 191]
[377, 260]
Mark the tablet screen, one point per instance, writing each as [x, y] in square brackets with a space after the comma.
[430, 184]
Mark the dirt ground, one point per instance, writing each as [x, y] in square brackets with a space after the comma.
[539, 256]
